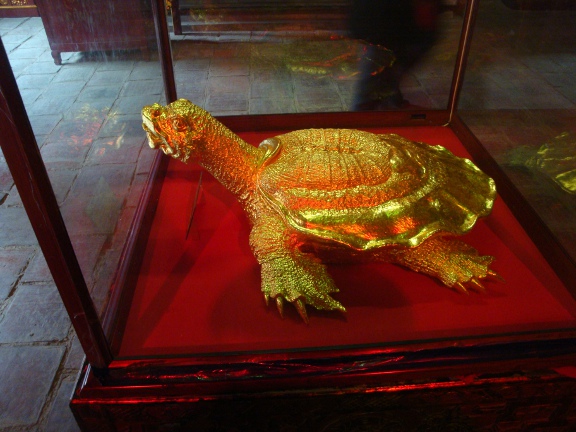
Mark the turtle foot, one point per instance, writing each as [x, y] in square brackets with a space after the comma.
[299, 280]
[474, 283]
[456, 264]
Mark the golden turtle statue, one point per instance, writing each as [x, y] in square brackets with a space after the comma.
[326, 195]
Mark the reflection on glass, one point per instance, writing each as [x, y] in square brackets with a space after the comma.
[251, 59]
[397, 36]
[519, 98]
[83, 88]
[555, 159]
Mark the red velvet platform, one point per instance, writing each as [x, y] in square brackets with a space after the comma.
[201, 294]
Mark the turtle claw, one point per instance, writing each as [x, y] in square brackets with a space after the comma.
[301, 307]
[280, 305]
[460, 287]
[473, 283]
[477, 285]
[299, 304]
[492, 274]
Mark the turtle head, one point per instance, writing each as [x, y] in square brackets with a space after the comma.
[176, 129]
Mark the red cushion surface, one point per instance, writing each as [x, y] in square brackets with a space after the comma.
[202, 294]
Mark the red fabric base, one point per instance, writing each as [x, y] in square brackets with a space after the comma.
[202, 294]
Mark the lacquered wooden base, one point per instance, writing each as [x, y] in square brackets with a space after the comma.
[514, 401]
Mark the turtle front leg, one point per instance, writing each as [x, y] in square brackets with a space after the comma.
[289, 274]
[455, 263]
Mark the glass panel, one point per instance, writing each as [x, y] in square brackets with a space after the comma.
[519, 99]
[84, 70]
[254, 57]
[198, 291]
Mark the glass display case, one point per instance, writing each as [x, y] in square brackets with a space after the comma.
[152, 256]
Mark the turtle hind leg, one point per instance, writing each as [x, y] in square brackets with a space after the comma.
[455, 263]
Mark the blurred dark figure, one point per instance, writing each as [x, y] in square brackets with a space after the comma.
[397, 33]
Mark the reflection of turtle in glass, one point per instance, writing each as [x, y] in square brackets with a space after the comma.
[556, 159]
[328, 195]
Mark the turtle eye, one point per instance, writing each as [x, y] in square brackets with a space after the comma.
[179, 125]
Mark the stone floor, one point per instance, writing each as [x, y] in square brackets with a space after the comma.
[85, 115]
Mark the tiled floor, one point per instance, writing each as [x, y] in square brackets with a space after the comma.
[85, 114]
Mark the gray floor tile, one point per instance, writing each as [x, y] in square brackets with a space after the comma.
[109, 77]
[153, 86]
[227, 103]
[35, 314]
[13, 262]
[27, 373]
[81, 73]
[15, 229]
[34, 81]
[60, 418]
[37, 270]
[145, 71]
[6, 181]
[228, 84]
[104, 92]
[133, 104]
[75, 357]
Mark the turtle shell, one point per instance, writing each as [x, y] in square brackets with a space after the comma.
[369, 191]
